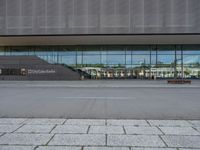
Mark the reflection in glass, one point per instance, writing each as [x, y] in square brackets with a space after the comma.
[122, 62]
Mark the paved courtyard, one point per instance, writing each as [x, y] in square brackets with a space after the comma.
[98, 134]
[102, 99]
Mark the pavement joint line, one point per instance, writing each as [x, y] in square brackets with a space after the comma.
[50, 139]
[108, 134]
[83, 146]
[190, 148]
[160, 130]
[195, 129]
[124, 130]
[188, 121]
[19, 145]
[35, 147]
[2, 134]
[25, 121]
[65, 121]
[148, 123]
[88, 129]
[179, 135]
[193, 123]
[53, 128]
[18, 128]
[106, 142]
[163, 140]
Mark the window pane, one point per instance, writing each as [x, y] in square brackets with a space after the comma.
[116, 59]
[191, 52]
[166, 59]
[191, 59]
[141, 59]
[91, 59]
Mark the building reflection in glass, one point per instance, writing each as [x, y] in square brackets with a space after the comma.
[119, 62]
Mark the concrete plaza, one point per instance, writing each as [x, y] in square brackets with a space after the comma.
[118, 115]
[102, 99]
[98, 134]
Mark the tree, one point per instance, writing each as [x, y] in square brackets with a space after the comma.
[187, 72]
[198, 74]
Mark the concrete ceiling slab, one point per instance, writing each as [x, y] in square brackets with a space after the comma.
[99, 40]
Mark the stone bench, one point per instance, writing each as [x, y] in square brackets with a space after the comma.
[179, 81]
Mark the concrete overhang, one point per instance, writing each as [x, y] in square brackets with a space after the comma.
[98, 40]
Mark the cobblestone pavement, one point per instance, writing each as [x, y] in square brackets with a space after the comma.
[100, 134]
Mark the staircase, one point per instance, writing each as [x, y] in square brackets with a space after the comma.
[79, 71]
[37, 69]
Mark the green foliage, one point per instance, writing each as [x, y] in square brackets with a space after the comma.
[187, 72]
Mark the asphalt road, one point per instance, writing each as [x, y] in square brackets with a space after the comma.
[144, 102]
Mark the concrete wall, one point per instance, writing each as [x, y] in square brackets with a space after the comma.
[44, 17]
[35, 69]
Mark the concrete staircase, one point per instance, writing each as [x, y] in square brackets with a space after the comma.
[36, 69]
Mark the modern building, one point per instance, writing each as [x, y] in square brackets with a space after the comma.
[102, 39]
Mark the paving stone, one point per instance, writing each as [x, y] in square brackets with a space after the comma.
[8, 128]
[16, 147]
[107, 129]
[195, 122]
[134, 140]
[58, 148]
[85, 122]
[25, 139]
[12, 120]
[70, 129]
[78, 139]
[134, 148]
[182, 141]
[127, 122]
[179, 130]
[45, 121]
[169, 123]
[141, 130]
[105, 148]
[35, 129]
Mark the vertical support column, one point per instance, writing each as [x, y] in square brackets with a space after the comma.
[100, 53]
[175, 63]
[131, 63]
[156, 62]
[82, 58]
[125, 62]
[76, 57]
[150, 62]
[182, 62]
[57, 53]
[106, 62]
[82, 77]
[102, 73]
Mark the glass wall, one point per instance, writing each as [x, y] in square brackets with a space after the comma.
[135, 62]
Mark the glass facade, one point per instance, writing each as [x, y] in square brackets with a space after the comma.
[116, 62]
